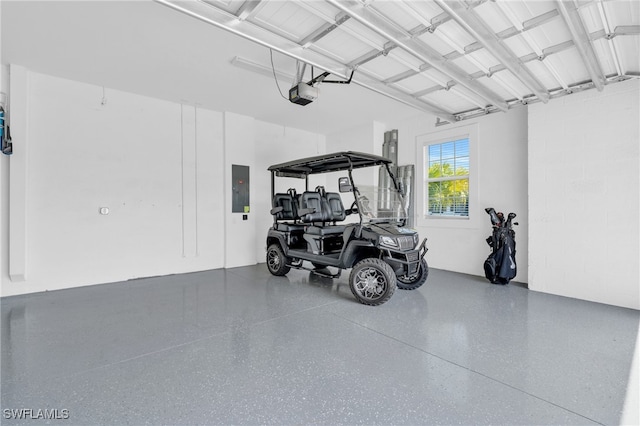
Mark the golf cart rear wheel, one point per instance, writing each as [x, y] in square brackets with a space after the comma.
[277, 261]
[411, 282]
[372, 281]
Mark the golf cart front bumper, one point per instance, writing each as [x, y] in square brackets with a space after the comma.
[405, 263]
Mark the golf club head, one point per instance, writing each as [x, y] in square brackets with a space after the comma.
[495, 221]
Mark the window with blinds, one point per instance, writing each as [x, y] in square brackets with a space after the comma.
[447, 183]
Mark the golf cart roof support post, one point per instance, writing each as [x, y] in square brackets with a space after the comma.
[354, 190]
[397, 186]
[353, 186]
[273, 184]
[393, 178]
[273, 193]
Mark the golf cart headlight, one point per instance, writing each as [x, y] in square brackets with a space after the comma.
[416, 238]
[388, 241]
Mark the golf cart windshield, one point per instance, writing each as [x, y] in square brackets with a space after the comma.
[377, 204]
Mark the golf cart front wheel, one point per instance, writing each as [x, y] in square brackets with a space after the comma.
[412, 282]
[372, 281]
[277, 261]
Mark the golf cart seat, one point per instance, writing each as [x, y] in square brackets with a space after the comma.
[289, 209]
[331, 210]
[336, 208]
[325, 230]
[313, 207]
[285, 208]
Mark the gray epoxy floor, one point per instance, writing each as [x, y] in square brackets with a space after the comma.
[240, 346]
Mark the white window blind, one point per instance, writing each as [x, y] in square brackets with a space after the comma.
[447, 178]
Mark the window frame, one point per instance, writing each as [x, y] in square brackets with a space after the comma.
[427, 158]
[423, 141]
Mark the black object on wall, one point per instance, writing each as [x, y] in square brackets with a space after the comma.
[239, 189]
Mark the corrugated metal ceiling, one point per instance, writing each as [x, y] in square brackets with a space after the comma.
[454, 58]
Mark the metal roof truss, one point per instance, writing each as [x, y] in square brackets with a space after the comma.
[487, 56]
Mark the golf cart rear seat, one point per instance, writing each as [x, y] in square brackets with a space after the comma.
[320, 207]
[285, 208]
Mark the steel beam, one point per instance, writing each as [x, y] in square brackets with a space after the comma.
[510, 15]
[399, 77]
[574, 88]
[424, 92]
[323, 30]
[476, 27]
[627, 30]
[311, 7]
[536, 21]
[622, 30]
[363, 59]
[582, 41]
[424, 104]
[513, 31]
[247, 30]
[610, 40]
[246, 9]
[418, 50]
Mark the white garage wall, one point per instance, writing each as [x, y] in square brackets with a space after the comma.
[88, 149]
[501, 182]
[239, 234]
[366, 138]
[161, 168]
[4, 177]
[584, 189]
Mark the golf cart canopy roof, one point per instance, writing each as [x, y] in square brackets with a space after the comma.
[327, 163]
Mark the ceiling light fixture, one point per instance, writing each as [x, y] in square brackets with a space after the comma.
[250, 65]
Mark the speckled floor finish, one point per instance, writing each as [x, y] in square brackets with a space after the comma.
[240, 346]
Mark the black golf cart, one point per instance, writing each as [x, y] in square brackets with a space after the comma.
[314, 226]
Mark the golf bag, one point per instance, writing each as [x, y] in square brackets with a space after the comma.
[500, 267]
